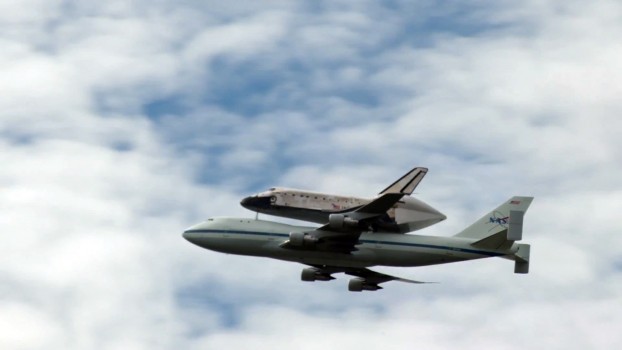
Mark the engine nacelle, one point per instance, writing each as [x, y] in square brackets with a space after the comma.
[310, 274]
[360, 284]
[300, 239]
[340, 221]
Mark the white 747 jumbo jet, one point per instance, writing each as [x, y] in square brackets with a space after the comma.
[348, 242]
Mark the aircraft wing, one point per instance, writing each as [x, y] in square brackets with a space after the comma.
[323, 240]
[361, 218]
[377, 277]
[380, 205]
[367, 279]
[407, 183]
[341, 233]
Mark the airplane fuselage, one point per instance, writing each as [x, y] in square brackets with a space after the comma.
[264, 238]
[408, 214]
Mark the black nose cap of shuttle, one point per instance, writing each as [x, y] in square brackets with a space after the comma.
[255, 202]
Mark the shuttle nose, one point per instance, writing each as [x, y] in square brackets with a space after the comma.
[256, 202]
[246, 201]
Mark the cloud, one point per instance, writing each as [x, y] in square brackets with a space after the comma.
[122, 124]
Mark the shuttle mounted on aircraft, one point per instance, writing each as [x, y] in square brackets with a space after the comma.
[407, 214]
[354, 239]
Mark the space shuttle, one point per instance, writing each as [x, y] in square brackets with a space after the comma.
[406, 215]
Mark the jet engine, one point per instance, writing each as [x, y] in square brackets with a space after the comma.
[300, 239]
[360, 284]
[310, 274]
[338, 221]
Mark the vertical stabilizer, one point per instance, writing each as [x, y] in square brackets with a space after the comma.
[507, 218]
[407, 183]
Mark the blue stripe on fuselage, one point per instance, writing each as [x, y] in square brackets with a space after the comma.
[420, 245]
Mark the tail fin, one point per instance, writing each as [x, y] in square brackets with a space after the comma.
[500, 227]
[407, 183]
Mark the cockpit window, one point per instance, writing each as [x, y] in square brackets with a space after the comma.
[272, 189]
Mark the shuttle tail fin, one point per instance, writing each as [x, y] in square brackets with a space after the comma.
[407, 183]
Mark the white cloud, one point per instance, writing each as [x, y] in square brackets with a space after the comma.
[21, 319]
[255, 33]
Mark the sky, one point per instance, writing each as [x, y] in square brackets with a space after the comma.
[124, 122]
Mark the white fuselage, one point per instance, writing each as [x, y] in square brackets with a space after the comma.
[408, 214]
[264, 238]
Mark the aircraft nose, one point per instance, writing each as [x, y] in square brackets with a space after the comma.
[194, 233]
[246, 201]
[256, 202]
[190, 236]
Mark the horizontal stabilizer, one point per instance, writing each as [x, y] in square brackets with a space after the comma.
[521, 259]
[496, 241]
